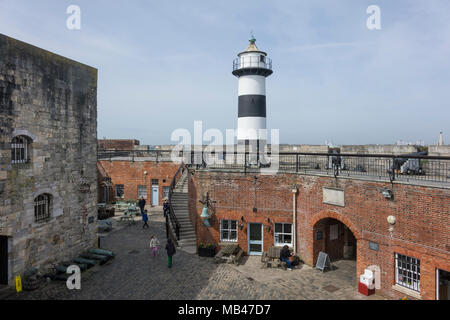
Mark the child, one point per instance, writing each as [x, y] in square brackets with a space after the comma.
[170, 247]
[154, 242]
[145, 219]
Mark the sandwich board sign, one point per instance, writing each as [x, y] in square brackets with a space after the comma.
[323, 261]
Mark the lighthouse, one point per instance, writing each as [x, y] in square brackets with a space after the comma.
[252, 67]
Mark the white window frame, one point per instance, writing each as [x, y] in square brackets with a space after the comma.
[408, 268]
[140, 193]
[275, 234]
[42, 207]
[229, 229]
[17, 144]
[166, 194]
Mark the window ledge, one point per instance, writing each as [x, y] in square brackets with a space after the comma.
[407, 291]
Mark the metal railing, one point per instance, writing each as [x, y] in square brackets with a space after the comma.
[132, 155]
[252, 62]
[407, 168]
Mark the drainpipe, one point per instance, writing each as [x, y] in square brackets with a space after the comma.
[294, 214]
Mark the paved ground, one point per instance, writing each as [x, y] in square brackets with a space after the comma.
[135, 274]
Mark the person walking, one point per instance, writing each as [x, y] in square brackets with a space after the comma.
[154, 242]
[145, 219]
[170, 248]
[165, 207]
[141, 205]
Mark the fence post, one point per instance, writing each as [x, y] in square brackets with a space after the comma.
[297, 164]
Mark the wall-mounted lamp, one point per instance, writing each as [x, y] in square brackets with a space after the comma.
[269, 227]
[295, 189]
[241, 224]
[387, 193]
[392, 221]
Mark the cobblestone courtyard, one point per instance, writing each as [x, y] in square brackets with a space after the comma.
[135, 274]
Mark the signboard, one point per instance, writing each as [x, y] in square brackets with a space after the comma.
[323, 261]
[373, 246]
[334, 197]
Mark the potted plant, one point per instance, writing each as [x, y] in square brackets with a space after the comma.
[208, 250]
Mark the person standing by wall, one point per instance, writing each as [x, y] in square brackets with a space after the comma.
[141, 204]
[170, 248]
[154, 242]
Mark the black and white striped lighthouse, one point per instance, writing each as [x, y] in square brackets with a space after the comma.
[252, 67]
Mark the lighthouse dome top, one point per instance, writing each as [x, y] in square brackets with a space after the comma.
[252, 48]
[252, 61]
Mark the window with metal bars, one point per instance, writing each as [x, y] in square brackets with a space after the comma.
[407, 272]
[42, 207]
[20, 146]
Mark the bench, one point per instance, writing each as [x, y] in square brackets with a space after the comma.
[271, 258]
[129, 216]
[229, 254]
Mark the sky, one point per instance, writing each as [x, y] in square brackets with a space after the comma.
[165, 64]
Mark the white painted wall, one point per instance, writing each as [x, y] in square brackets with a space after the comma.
[252, 85]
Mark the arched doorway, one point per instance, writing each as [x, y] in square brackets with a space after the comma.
[334, 238]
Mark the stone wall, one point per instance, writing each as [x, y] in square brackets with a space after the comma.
[378, 149]
[53, 101]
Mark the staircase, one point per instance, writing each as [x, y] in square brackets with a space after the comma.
[180, 200]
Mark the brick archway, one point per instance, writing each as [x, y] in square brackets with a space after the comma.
[357, 234]
[337, 216]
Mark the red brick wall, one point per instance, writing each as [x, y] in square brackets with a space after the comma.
[117, 144]
[422, 230]
[131, 175]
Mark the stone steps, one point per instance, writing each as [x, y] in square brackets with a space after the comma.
[180, 204]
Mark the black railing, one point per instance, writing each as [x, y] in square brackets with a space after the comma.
[408, 168]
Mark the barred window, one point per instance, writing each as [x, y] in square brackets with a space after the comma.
[42, 207]
[228, 230]
[142, 192]
[407, 272]
[20, 150]
[120, 190]
[283, 234]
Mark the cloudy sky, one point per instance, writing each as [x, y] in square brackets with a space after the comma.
[164, 64]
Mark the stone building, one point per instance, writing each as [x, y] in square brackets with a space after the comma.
[48, 154]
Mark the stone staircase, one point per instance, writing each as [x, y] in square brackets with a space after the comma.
[180, 200]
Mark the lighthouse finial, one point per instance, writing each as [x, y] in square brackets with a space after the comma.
[252, 38]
